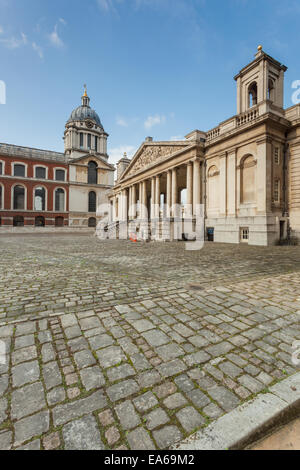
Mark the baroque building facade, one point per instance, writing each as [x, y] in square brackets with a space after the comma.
[244, 173]
[43, 188]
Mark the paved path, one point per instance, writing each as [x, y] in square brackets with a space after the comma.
[121, 345]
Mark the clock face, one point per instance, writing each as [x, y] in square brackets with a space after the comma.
[89, 124]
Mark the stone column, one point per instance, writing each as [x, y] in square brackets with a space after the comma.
[189, 189]
[196, 186]
[130, 203]
[124, 205]
[153, 198]
[133, 200]
[157, 197]
[223, 185]
[174, 192]
[169, 193]
[144, 200]
[140, 200]
[231, 184]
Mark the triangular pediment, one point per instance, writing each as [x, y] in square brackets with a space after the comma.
[150, 154]
[85, 159]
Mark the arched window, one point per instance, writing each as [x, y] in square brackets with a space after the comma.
[252, 95]
[19, 198]
[19, 170]
[213, 187]
[92, 222]
[92, 201]
[248, 180]
[271, 90]
[92, 173]
[59, 200]
[39, 199]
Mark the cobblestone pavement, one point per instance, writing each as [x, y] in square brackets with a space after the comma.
[115, 345]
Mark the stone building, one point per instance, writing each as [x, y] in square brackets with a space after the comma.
[245, 172]
[44, 188]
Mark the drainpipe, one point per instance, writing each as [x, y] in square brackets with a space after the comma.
[285, 186]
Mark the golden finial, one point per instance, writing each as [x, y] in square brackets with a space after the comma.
[85, 90]
[259, 48]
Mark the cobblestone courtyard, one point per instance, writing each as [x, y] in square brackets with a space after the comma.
[121, 345]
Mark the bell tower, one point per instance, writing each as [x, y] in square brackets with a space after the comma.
[260, 81]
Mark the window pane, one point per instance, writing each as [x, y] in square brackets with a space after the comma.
[19, 198]
[89, 141]
[59, 200]
[81, 139]
[19, 170]
[60, 175]
[0, 168]
[92, 201]
[96, 143]
[40, 172]
[92, 173]
[0, 197]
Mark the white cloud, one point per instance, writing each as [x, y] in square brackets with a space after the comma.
[14, 43]
[55, 39]
[38, 50]
[122, 121]
[175, 138]
[116, 153]
[1, 30]
[62, 21]
[154, 121]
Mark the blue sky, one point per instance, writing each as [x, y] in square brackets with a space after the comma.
[153, 67]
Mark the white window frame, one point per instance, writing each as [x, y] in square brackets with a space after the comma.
[40, 166]
[3, 167]
[46, 197]
[242, 238]
[12, 198]
[277, 182]
[54, 174]
[2, 197]
[19, 163]
[277, 147]
[65, 201]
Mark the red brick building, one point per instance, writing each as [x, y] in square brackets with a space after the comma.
[34, 187]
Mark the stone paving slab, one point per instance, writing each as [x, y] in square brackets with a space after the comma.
[119, 351]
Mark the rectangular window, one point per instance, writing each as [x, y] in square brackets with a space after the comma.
[89, 141]
[96, 143]
[81, 140]
[244, 234]
[40, 172]
[60, 175]
[276, 191]
[1, 168]
[276, 155]
[19, 170]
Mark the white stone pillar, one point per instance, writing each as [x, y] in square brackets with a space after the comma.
[144, 200]
[157, 197]
[153, 198]
[231, 184]
[189, 189]
[196, 186]
[174, 192]
[223, 185]
[130, 203]
[133, 199]
[169, 193]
